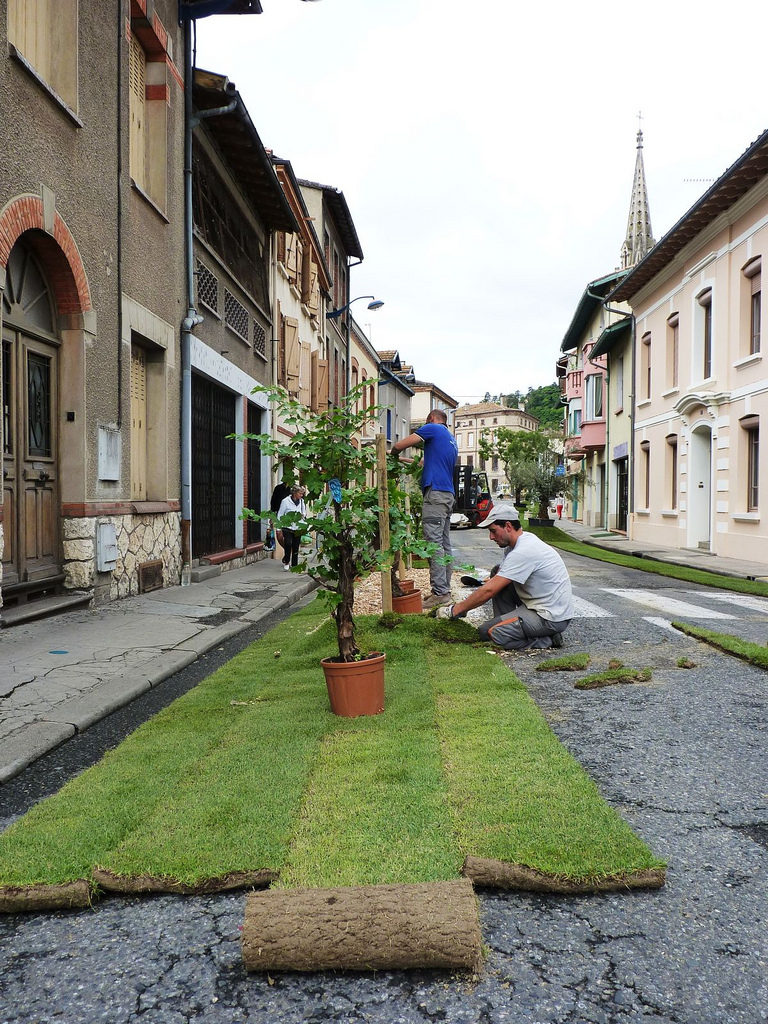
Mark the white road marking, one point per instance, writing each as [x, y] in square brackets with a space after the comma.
[757, 604]
[586, 610]
[664, 623]
[660, 603]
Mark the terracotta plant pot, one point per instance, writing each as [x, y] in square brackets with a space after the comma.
[407, 586]
[408, 604]
[355, 687]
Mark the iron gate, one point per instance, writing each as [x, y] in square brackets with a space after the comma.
[254, 472]
[213, 468]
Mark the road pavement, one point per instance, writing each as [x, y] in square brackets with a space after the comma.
[681, 757]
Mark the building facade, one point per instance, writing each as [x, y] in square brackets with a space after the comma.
[240, 214]
[701, 390]
[471, 422]
[91, 271]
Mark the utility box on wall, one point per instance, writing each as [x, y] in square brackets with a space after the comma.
[106, 547]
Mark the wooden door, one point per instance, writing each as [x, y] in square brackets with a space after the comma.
[30, 462]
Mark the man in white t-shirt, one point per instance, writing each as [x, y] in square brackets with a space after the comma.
[531, 591]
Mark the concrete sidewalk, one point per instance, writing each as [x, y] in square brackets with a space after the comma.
[60, 675]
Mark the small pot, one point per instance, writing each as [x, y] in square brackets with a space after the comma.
[407, 586]
[355, 687]
[408, 604]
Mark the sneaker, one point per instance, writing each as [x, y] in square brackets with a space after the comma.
[436, 601]
[557, 640]
[286, 567]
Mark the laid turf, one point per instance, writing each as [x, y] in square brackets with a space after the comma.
[250, 770]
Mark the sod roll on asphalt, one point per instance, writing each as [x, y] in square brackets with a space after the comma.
[363, 928]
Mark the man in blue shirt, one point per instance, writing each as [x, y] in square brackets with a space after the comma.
[440, 455]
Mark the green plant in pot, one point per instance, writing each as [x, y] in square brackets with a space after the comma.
[342, 505]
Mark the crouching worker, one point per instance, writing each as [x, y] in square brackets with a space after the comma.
[531, 591]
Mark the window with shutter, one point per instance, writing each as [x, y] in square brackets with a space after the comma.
[305, 374]
[137, 83]
[138, 423]
[282, 363]
[44, 33]
[322, 385]
[292, 355]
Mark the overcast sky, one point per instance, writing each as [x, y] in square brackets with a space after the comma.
[486, 149]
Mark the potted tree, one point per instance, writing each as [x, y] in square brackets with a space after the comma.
[342, 512]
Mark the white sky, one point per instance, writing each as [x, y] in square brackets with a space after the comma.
[486, 150]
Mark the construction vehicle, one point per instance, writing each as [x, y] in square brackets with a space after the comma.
[473, 497]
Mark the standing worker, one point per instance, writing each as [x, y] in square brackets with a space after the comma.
[440, 455]
[531, 591]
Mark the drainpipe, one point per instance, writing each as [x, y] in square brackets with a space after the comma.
[193, 318]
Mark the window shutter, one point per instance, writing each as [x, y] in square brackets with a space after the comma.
[290, 256]
[138, 424]
[322, 385]
[313, 381]
[281, 247]
[305, 374]
[306, 276]
[282, 363]
[292, 355]
[137, 76]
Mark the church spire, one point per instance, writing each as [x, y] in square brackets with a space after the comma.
[639, 240]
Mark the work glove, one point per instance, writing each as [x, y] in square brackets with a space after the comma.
[446, 612]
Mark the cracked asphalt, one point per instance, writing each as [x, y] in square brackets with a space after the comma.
[681, 757]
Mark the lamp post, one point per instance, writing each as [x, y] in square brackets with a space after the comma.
[334, 314]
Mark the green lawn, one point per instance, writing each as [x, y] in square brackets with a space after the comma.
[250, 770]
[559, 539]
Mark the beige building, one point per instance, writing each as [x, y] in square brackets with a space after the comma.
[470, 422]
[701, 390]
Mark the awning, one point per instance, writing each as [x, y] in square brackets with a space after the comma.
[611, 336]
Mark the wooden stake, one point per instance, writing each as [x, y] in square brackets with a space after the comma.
[383, 493]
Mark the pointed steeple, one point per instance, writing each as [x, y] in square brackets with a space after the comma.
[639, 240]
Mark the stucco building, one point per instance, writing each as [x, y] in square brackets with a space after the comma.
[470, 422]
[701, 390]
[91, 274]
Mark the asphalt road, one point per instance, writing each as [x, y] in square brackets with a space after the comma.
[682, 757]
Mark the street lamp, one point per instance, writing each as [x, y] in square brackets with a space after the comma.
[334, 314]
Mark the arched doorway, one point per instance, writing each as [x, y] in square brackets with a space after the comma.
[700, 488]
[30, 350]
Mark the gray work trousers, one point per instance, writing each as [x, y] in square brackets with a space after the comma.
[517, 628]
[436, 526]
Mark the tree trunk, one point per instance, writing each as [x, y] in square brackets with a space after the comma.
[345, 623]
[367, 928]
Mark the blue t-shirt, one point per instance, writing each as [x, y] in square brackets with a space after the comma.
[440, 454]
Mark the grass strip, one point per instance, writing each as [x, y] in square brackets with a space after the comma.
[250, 770]
[559, 539]
[202, 788]
[376, 811]
[566, 663]
[754, 653]
[518, 795]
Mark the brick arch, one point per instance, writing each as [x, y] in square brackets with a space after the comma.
[57, 253]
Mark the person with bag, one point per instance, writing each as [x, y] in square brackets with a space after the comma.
[292, 535]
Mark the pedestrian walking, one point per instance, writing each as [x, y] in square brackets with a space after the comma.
[292, 535]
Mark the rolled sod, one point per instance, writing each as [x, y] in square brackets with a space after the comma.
[144, 884]
[498, 874]
[66, 896]
[363, 928]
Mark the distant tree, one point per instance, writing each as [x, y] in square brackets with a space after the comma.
[544, 403]
[530, 463]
